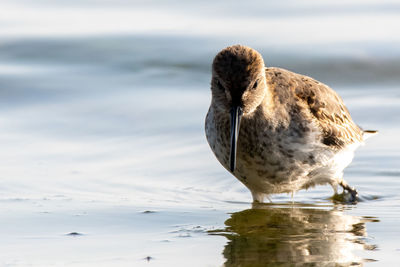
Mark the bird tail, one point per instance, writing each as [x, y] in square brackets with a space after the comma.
[368, 133]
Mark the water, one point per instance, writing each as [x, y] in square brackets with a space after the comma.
[102, 108]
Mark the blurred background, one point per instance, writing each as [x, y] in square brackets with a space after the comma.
[102, 103]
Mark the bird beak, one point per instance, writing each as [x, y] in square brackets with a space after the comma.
[236, 115]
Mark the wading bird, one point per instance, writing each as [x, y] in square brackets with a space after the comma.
[275, 130]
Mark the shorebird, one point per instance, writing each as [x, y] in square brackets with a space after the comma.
[275, 130]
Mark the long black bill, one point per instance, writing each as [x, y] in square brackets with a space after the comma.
[236, 115]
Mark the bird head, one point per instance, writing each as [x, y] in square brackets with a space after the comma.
[238, 87]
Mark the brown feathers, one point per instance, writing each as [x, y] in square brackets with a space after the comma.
[324, 106]
[238, 78]
[237, 66]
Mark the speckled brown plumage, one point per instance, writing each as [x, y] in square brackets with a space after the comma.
[325, 106]
[295, 132]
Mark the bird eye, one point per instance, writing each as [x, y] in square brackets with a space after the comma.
[255, 85]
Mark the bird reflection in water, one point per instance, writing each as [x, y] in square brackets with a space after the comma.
[270, 235]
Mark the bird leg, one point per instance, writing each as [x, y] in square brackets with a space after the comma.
[260, 197]
[292, 197]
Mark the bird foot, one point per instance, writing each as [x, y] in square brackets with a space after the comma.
[349, 195]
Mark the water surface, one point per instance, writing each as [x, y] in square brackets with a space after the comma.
[102, 109]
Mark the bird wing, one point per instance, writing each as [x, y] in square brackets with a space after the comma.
[325, 106]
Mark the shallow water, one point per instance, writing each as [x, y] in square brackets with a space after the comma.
[102, 110]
